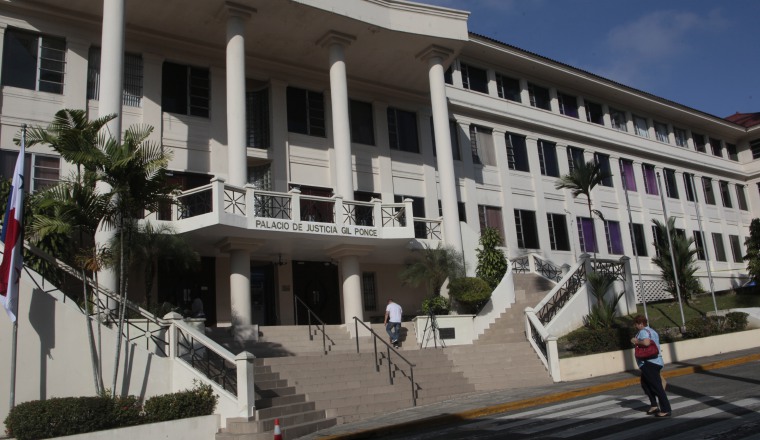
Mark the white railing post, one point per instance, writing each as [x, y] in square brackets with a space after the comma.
[217, 194]
[377, 213]
[528, 329]
[173, 317]
[295, 204]
[532, 263]
[565, 269]
[339, 212]
[250, 204]
[552, 353]
[246, 394]
[409, 215]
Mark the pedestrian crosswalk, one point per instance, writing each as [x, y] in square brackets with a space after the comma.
[611, 417]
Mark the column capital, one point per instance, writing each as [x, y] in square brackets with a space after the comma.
[349, 251]
[233, 9]
[435, 51]
[335, 37]
[239, 244]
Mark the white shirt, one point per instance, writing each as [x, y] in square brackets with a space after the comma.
[394, 312]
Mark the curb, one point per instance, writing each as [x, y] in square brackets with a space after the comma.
[450, 418]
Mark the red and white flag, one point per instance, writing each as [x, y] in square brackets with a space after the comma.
[12, 237]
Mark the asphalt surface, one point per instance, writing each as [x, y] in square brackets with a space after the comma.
[473, 406]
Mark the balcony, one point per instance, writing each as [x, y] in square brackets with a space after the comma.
[222, 204]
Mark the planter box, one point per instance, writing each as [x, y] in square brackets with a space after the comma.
[452, 330]
[583, 367]
[194, 428]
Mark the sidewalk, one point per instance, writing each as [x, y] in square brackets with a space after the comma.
[482, 404]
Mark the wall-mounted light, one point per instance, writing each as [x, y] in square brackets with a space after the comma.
[279, 261]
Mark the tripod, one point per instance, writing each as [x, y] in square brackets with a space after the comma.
[431, 326]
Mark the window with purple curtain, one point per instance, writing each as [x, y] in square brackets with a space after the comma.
[614, 238]
[629, 178]
[586, 234]
[650, 180]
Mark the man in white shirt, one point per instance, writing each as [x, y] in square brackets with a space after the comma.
[393, 321]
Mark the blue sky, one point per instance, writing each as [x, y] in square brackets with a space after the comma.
[704, 54]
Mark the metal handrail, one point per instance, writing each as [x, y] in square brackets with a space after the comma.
[320, 326]
[390, 349]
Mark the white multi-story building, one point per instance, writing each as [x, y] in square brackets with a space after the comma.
[306, 130]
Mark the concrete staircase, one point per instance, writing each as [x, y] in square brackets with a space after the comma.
[501, 357]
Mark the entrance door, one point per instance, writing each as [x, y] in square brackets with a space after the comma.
[263, 311]
[316, 284]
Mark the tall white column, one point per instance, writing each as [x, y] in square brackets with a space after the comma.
[451, 231]
[237, 168]
[240, 287]
[336, 42]
[352, 289]
[111, 79]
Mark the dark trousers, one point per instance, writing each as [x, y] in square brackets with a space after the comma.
[651, 382]
[393, 329]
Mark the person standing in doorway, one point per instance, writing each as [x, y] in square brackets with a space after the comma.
[393, 321]
[650, 368]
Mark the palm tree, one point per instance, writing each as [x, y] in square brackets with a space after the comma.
[581, 180]
[684, 256]
[433, 267]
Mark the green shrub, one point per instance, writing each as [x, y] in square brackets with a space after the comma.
[715, 325]
[198, 401]
[70, 415]
[472, 293]
[598, 340]
[736, 321]
[438, 305]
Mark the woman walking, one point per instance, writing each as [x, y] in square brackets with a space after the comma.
[650, 368]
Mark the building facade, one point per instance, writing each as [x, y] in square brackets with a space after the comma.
[319, 142]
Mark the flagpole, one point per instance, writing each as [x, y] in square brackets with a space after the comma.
[635, 249]
[704, 243]
[13, 365]
[672, 256]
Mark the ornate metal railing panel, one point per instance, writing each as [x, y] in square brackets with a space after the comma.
[615, 269]
[394, 215]
[547, 269]
[427, 228]
[536, 335]
[359, 213]
[562, 295]
[317, 209]
[521, 265]
[234, 200]
[191, 204]
[272, 206]
[206, 361]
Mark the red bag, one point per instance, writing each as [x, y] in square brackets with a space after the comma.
[645, 352]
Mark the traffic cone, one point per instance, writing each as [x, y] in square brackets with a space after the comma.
[277, 432]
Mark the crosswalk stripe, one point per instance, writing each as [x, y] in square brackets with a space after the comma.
[750, 420]
[590, 415]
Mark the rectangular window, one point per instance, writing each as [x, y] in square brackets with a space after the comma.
[448, 75]
[133, 78]
[481, 141]
[539, 96]
[725, 194]
[418, 211]
[720, 250]
[559, 240]
[257, 117]
[650, 179]
[306, 112]
[754, 147]
[568, 104]
[587, 235]
[547, 157]
[614, 239]
[699, 142]
[402, 130]
[474, 78]
[603, 161]
[736, 248]
[732, 153]
[717, 147]
[574, 156]
[661, 131]
[453, 135]
[671, 188]
[699, 244]
[680, 135]
[626, 172]
[362, 122]
[185, 90]
[707, 187]
[490, 217]
[517, 153]
[34, 61]
[688, 183]
[508, 88]
[527, 232]
[638, 239]
[369, 291]
[617, 117]
[40, 171]
[641, 126]
[594, 113]
[741, 197]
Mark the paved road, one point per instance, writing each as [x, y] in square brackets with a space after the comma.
[722, 404]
